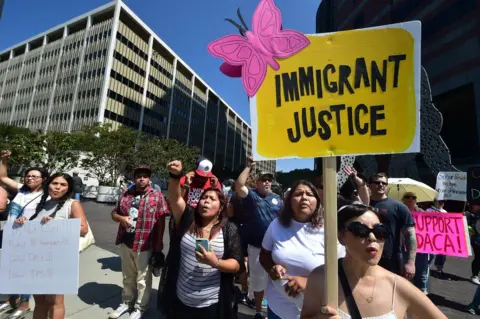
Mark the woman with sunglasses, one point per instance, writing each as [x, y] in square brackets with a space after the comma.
[292, 247]
[27, 196]
[365, 289]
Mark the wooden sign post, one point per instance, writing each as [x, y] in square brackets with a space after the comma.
[330, 210]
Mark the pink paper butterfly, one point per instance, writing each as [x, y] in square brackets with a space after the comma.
[248, 55]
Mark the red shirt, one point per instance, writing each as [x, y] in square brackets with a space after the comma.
[151, 209]
[195, 190]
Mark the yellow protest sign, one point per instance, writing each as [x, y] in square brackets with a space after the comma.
[348, 93]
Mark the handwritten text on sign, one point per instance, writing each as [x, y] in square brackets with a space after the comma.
[40, 258]
[441, 233]
[349, 92]
[452, 186]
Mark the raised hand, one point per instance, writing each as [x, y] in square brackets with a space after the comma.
[175, 167]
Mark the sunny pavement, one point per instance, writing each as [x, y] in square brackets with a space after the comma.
[101, 280]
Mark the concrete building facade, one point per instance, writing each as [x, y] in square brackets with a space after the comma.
[108, 66]
[450, 55]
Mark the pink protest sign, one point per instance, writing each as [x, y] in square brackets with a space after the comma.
[442, 234]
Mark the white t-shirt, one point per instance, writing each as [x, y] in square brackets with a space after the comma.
[300, 249]
[436, 210]
[28, 198]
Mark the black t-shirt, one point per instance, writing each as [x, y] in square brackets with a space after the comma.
[398, 216]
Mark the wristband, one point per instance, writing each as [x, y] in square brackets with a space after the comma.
[173, 176]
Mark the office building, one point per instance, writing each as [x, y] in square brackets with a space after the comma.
[108, 66]
[450, 55]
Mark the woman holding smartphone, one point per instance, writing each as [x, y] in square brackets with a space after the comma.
[204, 255]
[292, 247]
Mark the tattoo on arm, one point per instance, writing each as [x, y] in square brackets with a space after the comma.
[411, 242]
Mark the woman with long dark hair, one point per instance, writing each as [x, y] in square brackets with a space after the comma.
[57, 204]
[27, 197]
[204, 255]
[366, 290]
[292, 247]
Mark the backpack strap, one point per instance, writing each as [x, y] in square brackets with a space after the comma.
[347, 291]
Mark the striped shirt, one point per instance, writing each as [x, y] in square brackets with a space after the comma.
[198, 285]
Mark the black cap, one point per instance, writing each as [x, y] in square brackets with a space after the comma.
[142, 168]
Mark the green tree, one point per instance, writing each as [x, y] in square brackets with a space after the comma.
[109, 152]
[55, 151]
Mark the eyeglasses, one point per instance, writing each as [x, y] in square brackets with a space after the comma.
[32, 177]
[265, 180]
[380, 231]
[380, 183]
[411, 197]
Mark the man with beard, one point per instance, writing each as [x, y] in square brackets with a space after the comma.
[401, 225]
[141, 214]
[262, 207]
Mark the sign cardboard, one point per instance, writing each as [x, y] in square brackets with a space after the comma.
[40, 258]
[442, 234]
[452, 186]
[347, 93]
[473, 185]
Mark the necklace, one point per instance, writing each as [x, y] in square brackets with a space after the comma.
[369, 299]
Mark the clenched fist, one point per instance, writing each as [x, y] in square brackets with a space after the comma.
[175, 167]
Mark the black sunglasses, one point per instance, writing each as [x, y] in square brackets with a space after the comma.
[380, 231]
[411, 197]
[380, 183]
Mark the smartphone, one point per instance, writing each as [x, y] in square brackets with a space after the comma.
[202, 241]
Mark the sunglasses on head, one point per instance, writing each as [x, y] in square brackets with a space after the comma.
[360, 230]
[380, 183]
[411, 197]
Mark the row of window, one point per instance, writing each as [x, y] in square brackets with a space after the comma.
[94, 55]
[92, 73]
[161, 69]
[124, 100]
[121, 119]
[129, 63]
[120, 78]
[155, 115]
[158, 100]
[132, 46]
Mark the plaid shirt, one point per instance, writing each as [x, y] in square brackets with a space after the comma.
[151, 209]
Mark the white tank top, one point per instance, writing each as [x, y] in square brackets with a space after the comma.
[390, 315]
[51, 205]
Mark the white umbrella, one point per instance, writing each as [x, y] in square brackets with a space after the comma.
[399, 186]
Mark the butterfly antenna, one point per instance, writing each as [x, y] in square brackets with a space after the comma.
[241, 19]
[242, 31]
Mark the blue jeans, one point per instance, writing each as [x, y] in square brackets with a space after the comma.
[271, 314]
[476, 299]
[422, 271]
[77, 196]
[439, 261]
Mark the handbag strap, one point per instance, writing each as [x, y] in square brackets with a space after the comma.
[33, 199]
[347, 291]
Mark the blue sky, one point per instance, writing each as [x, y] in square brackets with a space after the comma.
[186, 26]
